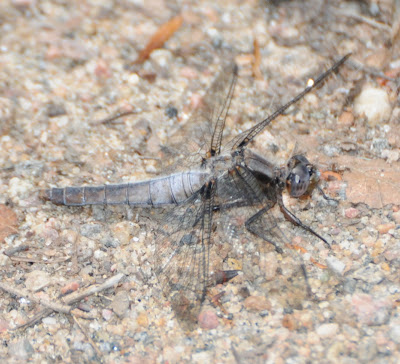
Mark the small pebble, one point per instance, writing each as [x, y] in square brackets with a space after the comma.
[367, 350]
[392, 254]
[171, 112]
[90, 230]
[208, 320]
[335, 265]
[196, 101]
[270, 265]
[371, 274]
[22, 349]
[370, 311]
[335, 352]
[162, 57]
[99, 255]
[143, 319]
[396, 216]
[346, 118]
[351, 213]
[22, 4]
[391, 155]
[374, 104]
[54, 110]
[120, 303]
[394, 334]
[257, 303]
[3, 325]
[289, 322]
[122, 231]
[384, 228]
[102, 69]
[107, 314]
[327, 330]
[70, 287]
[50, 321]
[116, 329]
[37, 280]
[189, 73]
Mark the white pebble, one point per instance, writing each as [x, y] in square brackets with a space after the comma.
[374, 104]
[18, 188]
[49, 321]
[335, 265]
[99, 255]
[162, 57]
[394, 333]
[327, 330]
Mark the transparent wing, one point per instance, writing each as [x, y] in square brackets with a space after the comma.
[201, 135]
[229, 220]
[182, 246]
[256, 231]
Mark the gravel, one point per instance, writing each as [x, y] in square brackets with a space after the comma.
[67, 67]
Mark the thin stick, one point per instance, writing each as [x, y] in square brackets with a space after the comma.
[112, 118]
[20, 292]
[73, 298]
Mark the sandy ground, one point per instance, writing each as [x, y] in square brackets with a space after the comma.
[65, 66]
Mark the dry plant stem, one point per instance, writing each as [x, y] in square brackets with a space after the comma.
[55, 306]
[77, 296]
[359, 66]
[111, 119]
[366, 20]
[38, 260]
[69, 300]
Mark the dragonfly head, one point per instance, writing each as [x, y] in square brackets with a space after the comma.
[302, 177]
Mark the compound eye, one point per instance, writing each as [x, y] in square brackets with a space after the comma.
[298, 180]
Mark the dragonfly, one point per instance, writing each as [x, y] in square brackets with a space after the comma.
[220, 199]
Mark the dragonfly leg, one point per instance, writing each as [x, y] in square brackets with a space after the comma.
[250, 225]
[295, 220]
[325, 196]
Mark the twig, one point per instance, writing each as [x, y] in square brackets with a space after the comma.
[112, 118]
[366, 20]
[77, 296]
[73, 298]
[36, 260]
[358, 65]
[74, 260]
[20, 292]
[395, 33]
[163, 33]
[257, 60]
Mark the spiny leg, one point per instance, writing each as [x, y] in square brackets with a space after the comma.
[295, 220]
[249, 224]
[251, 221]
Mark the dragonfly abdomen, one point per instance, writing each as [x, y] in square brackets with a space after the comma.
[168, 190]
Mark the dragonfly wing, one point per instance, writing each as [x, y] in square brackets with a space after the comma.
[202, 132]
[183, 240]
[256, 232]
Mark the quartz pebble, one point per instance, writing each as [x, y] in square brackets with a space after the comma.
[335, 265]
[374, 104]
[327, 330]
